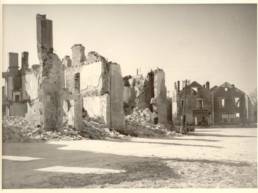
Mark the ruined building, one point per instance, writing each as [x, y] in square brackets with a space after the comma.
[21, 85]
[194, 101]
[202, 105]
[99, 84]
[231, 105]
[57, 92]
[89, 84]
[51, 81]
[148, 92]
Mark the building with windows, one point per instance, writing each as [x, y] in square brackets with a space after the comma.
[224, 104]
[194, 102]
[21, 85]
[231, 105]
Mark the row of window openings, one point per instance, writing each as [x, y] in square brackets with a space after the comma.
[237, 102]
[199, 103]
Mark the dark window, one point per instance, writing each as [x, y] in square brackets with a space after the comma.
[17, 98]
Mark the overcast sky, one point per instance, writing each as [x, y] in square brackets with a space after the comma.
[196, 42]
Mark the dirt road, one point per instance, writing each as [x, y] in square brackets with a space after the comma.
[219, 157]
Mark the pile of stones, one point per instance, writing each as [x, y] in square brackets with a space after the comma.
[140, 123]
[18, 129]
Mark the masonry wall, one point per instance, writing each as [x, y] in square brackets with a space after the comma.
[116, 97]
[230, 107]
[102, 92]
[160, 93]
[18, 109]
[30, 82]
[51, 81]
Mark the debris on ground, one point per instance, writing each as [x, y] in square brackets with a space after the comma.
[18, 129]
[96, 130]
[139, 124]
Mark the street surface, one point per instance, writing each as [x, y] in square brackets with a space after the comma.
[217, 157]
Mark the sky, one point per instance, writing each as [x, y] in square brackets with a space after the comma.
[215, 43]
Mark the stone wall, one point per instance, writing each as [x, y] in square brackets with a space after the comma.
[18, 109]
[102, 91]
[97, 107]
[30, 82]
[160, 94]
[116, 97]
[51, 88]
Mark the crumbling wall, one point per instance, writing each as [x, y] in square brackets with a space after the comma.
[51, 81]
[30, 81]
[97, 107]
[116, 97]
[33, 111]
[102, 90]
[44, 36]
[149, 89]
[169, 109]
[91, 81]
[18, 109]
[160, 94]
[51, 88]
[139, 85]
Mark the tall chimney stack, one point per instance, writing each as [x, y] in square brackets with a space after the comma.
[208, 85]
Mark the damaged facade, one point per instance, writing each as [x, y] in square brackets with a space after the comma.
[194, 101]
[231, 105]
[59, 92]
[149, 93]
[202, 105]
[21, 85]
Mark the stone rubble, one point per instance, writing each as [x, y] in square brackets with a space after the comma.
[18, 129]
[140, 124]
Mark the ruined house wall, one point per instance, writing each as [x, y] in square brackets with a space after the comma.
[9, 86]
[141, 91]
[129, 96]
[116, 97]
[230, 107]
[34, 111]
[91, 85]
[97, 107]
[44, 35]
[51, 88]
[169, 109]
[149, 88]
[102, 92]
[51, 80]
[18, 109]
[30, 81]
[25, 60]
[160, 94]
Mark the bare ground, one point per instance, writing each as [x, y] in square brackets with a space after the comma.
[213, 158]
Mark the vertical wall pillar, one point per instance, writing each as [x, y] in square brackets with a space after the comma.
[51, 81]
[77, 103]
[160, 93]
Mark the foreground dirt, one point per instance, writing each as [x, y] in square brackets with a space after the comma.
[224, 158]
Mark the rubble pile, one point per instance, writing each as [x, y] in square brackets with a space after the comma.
[95, 130]
[140, 124]
[18, 129]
